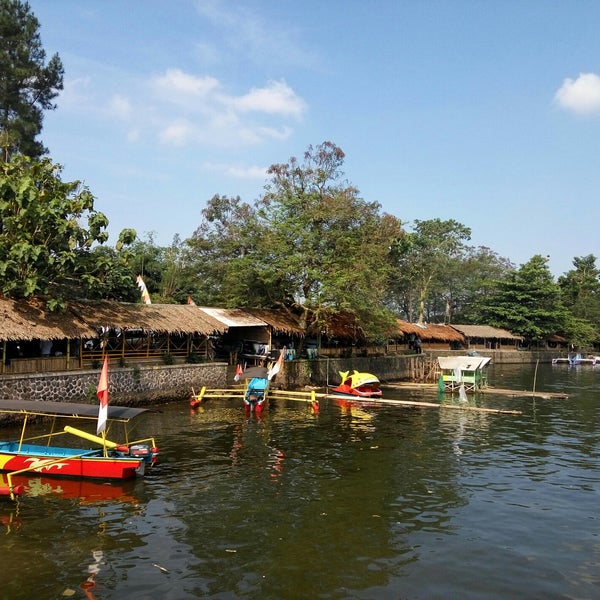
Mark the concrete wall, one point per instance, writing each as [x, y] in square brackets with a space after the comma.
[407, 367]
[325, 371]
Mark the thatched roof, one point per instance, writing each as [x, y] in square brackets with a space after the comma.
[279, 320]
[30, 320]
[162, 318]
[431, 332]
[486, 332]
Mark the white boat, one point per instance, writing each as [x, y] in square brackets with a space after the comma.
[576, 358]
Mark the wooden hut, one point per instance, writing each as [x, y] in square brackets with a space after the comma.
[486, 337]
[432, 336]
[146, 331]
[284, 329]
[37, 340]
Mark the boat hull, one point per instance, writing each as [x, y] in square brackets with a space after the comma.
[353, 393]
[57, 462]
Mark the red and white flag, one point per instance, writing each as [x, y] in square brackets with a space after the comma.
[238, 372]
[277, 366]
[102, 393]
[143, 289]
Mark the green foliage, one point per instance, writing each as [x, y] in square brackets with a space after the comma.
[421, 259]
[322, 244]
[136, 374]
[527, 302]
[43, 246]
[28, 86]
[194, 358]
[168, 358]
[581, 289]
[310, 244]
[223, 256]
[467, 280]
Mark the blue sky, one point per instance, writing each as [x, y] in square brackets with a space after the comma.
[486, 112]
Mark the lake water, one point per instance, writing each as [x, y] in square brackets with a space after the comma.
[387, 502]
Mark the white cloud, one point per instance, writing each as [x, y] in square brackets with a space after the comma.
[237, 171]
[190, 109]
[276, 98]
[75, 92]
[178, 133]
[176, 81]
[581, 95]
[181, 109]
[246, 30]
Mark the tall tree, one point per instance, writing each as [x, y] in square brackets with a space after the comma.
[28, 86]
[322, 243]
[421, 258]
[224, 257]
[47, 230]
[581, 288]
[527, 302]
[310, 245]
[474, 277]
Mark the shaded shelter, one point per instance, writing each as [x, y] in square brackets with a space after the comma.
[431, 335]
[486, 337]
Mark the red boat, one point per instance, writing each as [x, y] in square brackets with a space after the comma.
[361, 385]
[107, 460]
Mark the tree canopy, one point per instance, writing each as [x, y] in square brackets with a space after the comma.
[527, 302]
[47, 230]
[28, 86]
[311, 244]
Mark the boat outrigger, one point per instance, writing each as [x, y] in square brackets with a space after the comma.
[357, 385]
[107, 460]
[257, 390]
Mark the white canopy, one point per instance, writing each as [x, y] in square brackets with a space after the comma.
[463, 363]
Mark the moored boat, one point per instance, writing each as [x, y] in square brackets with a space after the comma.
[41, 454]
[576, 358]
[256, 391]
[361, 385]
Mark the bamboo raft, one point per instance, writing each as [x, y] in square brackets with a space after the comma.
[432, 387]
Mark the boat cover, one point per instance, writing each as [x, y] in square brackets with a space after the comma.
[67, 409]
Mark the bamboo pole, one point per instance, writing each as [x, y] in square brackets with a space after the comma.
[430, 405]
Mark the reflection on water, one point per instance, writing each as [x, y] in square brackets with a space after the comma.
[355, 502]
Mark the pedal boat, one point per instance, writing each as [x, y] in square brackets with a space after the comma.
[357, 385]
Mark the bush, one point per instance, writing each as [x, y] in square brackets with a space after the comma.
[194, 358]
[168, 358]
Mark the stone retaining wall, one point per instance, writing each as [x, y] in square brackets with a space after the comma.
[127, 386]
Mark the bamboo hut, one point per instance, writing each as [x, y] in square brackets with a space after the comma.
[432, 336]
[486, 337]
[35, 339]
